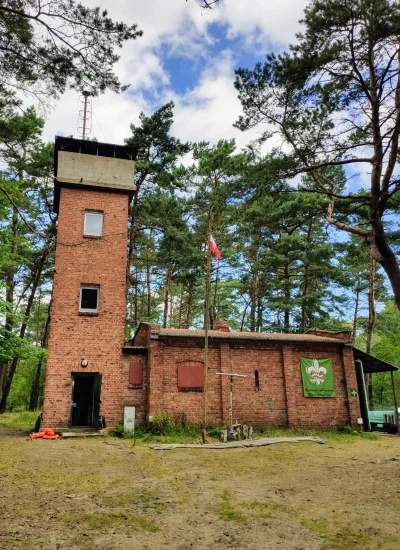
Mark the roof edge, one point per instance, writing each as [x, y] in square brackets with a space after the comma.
[224, 336]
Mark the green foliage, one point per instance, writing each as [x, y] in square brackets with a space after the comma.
[27, 233]
[311, 101]
[23, 382]
[45, 47]
[19, 421]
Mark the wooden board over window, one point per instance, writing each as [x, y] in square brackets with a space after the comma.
[190, 376]
[136, 374]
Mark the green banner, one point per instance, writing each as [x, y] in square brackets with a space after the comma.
[317, 377]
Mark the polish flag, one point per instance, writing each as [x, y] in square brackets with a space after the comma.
[214, 248]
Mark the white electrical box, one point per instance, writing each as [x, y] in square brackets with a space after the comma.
[129, 419]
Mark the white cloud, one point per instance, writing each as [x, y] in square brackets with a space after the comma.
[261, 21]
[179, 28]
[209, 110]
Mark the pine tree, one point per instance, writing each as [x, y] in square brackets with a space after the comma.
[332, 100]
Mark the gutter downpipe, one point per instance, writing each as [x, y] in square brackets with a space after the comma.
[362, 395]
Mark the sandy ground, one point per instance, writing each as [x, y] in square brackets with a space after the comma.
[108, 494]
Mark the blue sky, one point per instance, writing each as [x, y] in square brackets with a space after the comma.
[186, 56]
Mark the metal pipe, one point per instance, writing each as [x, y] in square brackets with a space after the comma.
[362, 395]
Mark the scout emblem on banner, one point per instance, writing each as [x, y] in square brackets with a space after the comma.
[317, 377]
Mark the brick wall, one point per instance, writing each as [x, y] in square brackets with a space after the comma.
[279, 401]
[130, 395]
[74, 336]
[319, 412]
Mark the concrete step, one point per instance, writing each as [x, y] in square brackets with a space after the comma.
[82, 433]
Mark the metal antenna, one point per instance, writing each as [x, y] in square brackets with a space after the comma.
[85, 115]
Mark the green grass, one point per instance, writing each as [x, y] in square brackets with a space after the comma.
[271, 509]
[20, 421]
[342, 434]
[340, 538]
[104, 520]
[172, 433]
[227, 510]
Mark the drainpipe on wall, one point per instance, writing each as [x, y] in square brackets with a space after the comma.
[362, 393]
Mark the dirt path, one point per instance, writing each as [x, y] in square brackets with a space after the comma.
[106, 494]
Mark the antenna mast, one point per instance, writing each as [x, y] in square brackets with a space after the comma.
[85, 115]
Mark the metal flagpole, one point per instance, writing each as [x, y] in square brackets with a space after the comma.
[206, 328]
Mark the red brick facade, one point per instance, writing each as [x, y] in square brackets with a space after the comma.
[279, 399]
[75, 336]
[273, 397]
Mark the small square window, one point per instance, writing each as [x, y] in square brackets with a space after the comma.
[89, 299]
[93, 224]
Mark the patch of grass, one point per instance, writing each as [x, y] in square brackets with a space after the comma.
[7, 467]
[344, 538]
[271, 509]
[342, 433]
[368, 435]
[170, 433]
[143, 500]
[104, 520]
[21, 421]
[25, 544]
[227, 510]
[65, 480]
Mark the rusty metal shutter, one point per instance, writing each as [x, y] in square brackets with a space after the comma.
[136, 374]
[190, 376]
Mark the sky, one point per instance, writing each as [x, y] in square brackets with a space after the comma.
[187, 56]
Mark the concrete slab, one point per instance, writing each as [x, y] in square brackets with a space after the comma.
[261, 442]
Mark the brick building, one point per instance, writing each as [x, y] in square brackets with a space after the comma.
[92, 372]
[166, 370]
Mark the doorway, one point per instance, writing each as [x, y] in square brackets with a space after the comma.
[85, 406]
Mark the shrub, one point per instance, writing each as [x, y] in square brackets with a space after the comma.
[161, 424]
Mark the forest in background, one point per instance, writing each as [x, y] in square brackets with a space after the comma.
[298, 249]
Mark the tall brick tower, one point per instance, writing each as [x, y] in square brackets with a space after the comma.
[93, 186]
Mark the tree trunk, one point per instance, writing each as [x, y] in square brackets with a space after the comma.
[189, 304]
[286, 318]
[28, 309]
[148, 280]
[243, 318]
[35, 392]
[135, 300]
[260, 311]
[10, 284]
[171, 307]
[180, 307]
[371, 320]
[304, 312]
[356, 306]
[371, 304]
[134, 218]
[166, 295]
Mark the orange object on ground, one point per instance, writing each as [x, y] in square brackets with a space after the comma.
[47, 434]
[36, 435]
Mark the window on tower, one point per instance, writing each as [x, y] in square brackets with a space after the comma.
[89, 299]
[93, 226]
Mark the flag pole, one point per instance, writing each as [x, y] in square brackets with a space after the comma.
[206, 328]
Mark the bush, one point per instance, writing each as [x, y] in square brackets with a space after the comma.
[161, 424]
[118, 431]
[346, 429]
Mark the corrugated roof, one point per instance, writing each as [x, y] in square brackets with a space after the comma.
[372, 364]
[187, 333]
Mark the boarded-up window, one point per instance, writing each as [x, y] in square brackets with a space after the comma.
[190, 376]
[136, 375]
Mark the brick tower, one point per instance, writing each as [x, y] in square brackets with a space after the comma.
[93, 186]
